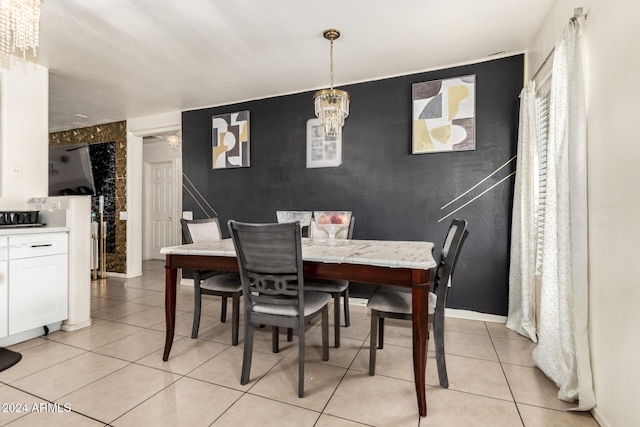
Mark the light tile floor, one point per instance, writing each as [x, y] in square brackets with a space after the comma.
[112, 373]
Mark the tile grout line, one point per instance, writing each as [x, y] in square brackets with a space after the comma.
[340, 382]
[505, 374]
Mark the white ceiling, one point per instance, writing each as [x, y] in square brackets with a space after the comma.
[116, 59]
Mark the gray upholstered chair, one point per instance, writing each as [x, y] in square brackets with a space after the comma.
[386, 302]
[336, 288]
[270, 263]
[224, 285]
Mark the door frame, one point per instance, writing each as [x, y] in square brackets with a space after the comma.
[137, 129]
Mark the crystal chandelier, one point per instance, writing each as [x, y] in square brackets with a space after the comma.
[19, 26]
[331, 105]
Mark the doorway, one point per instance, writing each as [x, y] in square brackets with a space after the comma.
[161, 196]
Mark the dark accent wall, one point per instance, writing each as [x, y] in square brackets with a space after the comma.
[394, 195]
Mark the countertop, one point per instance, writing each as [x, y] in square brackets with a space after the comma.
[9, 231]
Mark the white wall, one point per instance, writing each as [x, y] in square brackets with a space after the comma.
[612, 66]
[24, 135]
[134, 204]
[137, 129]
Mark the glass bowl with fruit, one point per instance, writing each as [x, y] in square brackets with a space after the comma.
[332, 223]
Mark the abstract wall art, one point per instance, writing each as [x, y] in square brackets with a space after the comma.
[230, 140]
[444, 115]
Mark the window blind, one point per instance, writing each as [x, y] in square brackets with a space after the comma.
[540, 155]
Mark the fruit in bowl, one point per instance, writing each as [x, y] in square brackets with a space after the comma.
[332, 222]
[340, 218]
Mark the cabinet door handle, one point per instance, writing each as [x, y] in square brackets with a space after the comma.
[44, 245]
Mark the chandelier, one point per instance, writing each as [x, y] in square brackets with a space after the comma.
[331, 105]
[19, 26]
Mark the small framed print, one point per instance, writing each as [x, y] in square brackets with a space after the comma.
[322, 151]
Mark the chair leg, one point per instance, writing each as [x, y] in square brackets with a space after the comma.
[336, 318]
[347, 318]
[289, 334]
[325, 333]
[223, 310]
[197, 304]
[248, 351]
[301, 357]
[275, 344]
[438, 333]
[373, 336]
[381, 333]
[235, 319]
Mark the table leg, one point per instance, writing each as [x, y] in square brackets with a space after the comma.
[420, 318]
[169, 308]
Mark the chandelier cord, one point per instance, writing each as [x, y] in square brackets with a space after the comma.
[331, 64]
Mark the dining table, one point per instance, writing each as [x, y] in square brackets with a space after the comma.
[404, 264]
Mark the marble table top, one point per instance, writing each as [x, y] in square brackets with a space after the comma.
[382, 253]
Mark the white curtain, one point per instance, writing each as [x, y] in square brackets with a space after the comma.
[563, 349]
[523, 232]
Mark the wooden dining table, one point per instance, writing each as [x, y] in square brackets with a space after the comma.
[378, 262]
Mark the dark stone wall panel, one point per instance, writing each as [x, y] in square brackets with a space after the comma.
[108, 148]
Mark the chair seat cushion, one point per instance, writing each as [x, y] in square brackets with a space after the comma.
[396, 301]
[326, 285]
[229, 282]
[313, 302]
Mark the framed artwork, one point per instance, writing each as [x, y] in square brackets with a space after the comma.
[230, 140]
[444, 115]
[322, 151]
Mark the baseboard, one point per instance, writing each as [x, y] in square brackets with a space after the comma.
[360, 302]
[474, 315]
[69, 328]
[120, 275]
[448, 312]
[27, 335]
[597, 415]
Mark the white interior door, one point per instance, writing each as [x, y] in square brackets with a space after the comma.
[162, 197]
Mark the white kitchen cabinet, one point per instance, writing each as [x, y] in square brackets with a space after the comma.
[4, 287]
[37, 270]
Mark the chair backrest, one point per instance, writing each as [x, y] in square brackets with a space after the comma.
[316, 233]
[449, 257]
[303, 217]
[270, 263]
[200, 230]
